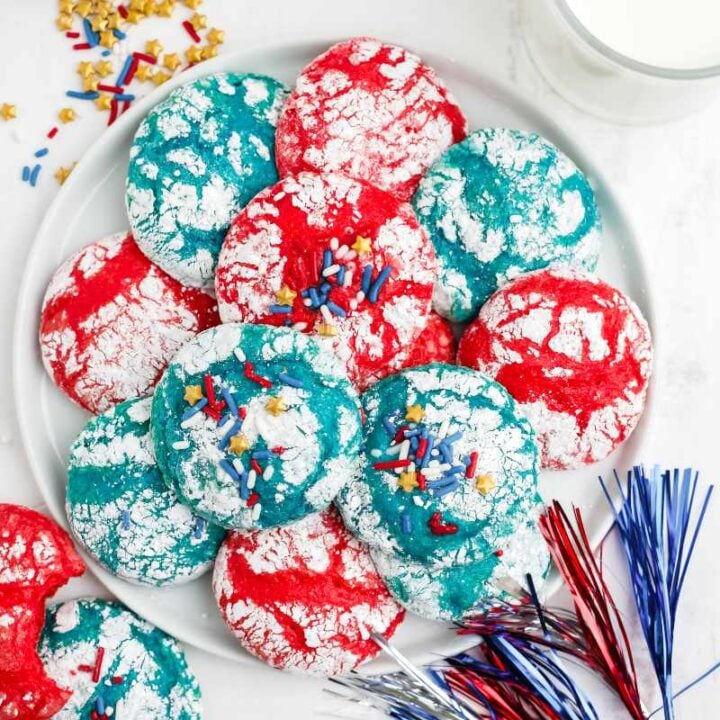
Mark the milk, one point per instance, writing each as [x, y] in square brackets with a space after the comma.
[679, 34]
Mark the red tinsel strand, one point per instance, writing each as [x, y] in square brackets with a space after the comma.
[599, 617]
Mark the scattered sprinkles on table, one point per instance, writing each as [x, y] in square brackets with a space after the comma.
[255, 426]
[430, 433]
[122, 512]
[304, 598]
[336, 258]
[574, 352]
[116, 664]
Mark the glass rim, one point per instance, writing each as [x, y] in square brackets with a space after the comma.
[628, 62]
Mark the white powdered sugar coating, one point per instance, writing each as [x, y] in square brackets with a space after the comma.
[118, 350]
[252, 268]
[322, 627]
[372, 110]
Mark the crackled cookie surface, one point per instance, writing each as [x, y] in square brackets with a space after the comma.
[121, 510]
[501, 203]
[574, 352]
[305, 597]
[111, 321]
[116, 664]
[450, 463]
[255, 426]
[197, 158]
[436, 344]
[336, 258]
[372, 110]
[447, 593]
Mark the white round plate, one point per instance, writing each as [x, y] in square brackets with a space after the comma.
[91, 205]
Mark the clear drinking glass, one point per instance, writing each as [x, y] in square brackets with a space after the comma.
[604, 82]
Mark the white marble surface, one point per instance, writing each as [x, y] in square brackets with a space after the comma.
[667, 176]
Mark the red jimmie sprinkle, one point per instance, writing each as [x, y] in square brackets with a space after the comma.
[438, 527]
[400, 434]
[279, 450]
[94, 715]
[255, 465]
[249, 370]
[242, 412]
[252, 500]
[209, 390]
[472, 465]
[117, 680]
[98, 664]
[123, 11]
[391, 464]
[132, 70]
[498, 553]
[422, 447]
[113, 112]
[81, 46]
[53, 132]
[110, 88]
[126, 106]
[191, 31]
[145, 57]
[72, 34]
[422, 483]
[85, 668]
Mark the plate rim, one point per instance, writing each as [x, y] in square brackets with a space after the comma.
[535, 109]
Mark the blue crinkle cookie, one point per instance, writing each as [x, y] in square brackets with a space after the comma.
[256, 426]
[447, 593]
[120, 509]
[500, 203]
[197, 159]
[451, 465]
[141, 672]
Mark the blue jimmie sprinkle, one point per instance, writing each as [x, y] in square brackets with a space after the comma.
[226, 437]
[125, 519]
[200, 524]
[426, 457]
[287, 323]
[119, 34]
[290, 380]
[450, 439]
[327, 259]
[325, 287]
[34, 174]
[124, 98]
[82, 95]
[280, 309]
[105, 53]
[100, 704]
[341, 275]
[229, 400]
[26, 173]
[389, 426]
[124, 71]
[411, 433]
[194, 409]
[445, 489]
[42, 152]
[445, 452]
[380, 280]
[335, 309]
[406, 523]
[92, 37]
[366, 277]
[261, 454]
[227, 466]
[314, 297]
[244, 491]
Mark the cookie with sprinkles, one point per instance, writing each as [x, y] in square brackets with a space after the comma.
[501, 203]
[574, 352]
[371, 110]
[333, 257]
[448, 592]
[450, 462]
[111, 321]
[116, 664]
[304, 598]
[120, 509]
[196, 159]
[255, 426]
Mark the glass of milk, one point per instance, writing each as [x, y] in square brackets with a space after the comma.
[633, 61]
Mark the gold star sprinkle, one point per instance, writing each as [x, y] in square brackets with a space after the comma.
[8, 111]
[193, 54]
[209, 51]
[83, 9]
[104, 102]
[153, 47]
[407, 481]
[484, 483]
[136, 5]
[134, 17]
[362, 245]
[90, 84]
[171, 61]
[148, 7]
[239, 444]
[159, 77]
[414, 413]
[115, 21]
[66, 6]
[198, 21]
[64, 22]
[67, 115]
[327, 330]
[144, 73]
[275, 405]
[103, 68]
[85, 69]
[193, 393]
[107, 39]
[164, 9]
[99, 23]
[215, 36]
[193, 4]
[285, 295]
[62, 174]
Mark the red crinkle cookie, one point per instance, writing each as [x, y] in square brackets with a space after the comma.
[111, 321]
[574, 352]
[334, 257]
[304, 597]
[436, 344]
[371, 110]
[36, 558]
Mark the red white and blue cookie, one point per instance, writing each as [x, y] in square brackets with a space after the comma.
[450, 467]
[111, 321]
[255, 426]
[371, 110]
[574, 352]
[304, 598]
[37, 557]
[336, 258]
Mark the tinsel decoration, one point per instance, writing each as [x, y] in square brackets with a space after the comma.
[605, 635]
[659, 519]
